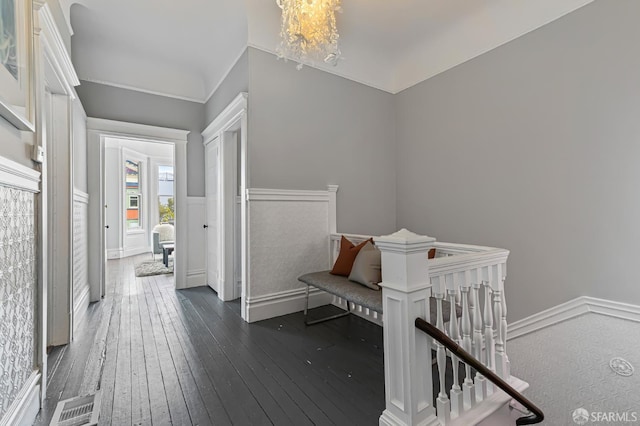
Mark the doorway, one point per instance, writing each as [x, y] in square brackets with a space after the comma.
[225, 141]
[139, 208]
[223, 215]
[142, 154]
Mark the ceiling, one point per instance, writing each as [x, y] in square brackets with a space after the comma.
[184, 49]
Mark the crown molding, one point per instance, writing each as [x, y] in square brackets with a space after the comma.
[226, 74]
[55, 50]
[141, 90]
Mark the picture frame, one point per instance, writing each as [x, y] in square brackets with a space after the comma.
[16, 64]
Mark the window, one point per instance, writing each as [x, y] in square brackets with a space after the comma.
[166, 206]
[133, 195]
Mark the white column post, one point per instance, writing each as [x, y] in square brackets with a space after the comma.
[407, 351]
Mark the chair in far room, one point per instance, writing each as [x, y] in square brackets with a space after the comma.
[162, 234]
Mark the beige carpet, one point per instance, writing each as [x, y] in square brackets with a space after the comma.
[567, 367]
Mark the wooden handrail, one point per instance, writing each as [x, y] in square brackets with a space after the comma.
[536, 415]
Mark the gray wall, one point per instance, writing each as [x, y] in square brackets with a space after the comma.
[79, 135]
[235, 82]
[535, 147]
[112, 103]
[15, 145]
[309, 128]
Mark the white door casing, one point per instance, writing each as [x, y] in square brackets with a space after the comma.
[98, 130]
[229, 132]
[54, 72]
[212, 163]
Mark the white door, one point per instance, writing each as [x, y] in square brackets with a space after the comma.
[212, 166]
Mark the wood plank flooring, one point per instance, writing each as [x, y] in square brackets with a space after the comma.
[166, 357]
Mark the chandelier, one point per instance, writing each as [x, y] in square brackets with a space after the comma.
[308, 32]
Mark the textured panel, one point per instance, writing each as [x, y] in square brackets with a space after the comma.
[80, 247]
[394, 308]
[288, 239]
[17, 292]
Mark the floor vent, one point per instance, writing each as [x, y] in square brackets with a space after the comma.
[79, 411]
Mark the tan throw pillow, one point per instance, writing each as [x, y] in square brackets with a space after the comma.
[367, 268]
[346, 257]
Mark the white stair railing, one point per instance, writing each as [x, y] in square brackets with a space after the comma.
[470, 277]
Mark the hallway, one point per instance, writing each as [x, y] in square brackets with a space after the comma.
[165, 357]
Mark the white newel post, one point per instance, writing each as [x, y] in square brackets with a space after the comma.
[407, 351]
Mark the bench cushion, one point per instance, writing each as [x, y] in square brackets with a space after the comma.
[363, 296]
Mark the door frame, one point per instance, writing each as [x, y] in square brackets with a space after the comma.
[224, 128]
[97, 130]
[214, 283]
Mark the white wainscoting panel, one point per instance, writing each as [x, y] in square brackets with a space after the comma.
[18, 281]
[80, 256]
[197, 248]
[288, 237]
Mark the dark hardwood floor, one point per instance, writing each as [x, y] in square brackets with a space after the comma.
[166, 357]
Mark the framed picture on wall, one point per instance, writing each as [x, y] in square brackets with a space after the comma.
[16, 64]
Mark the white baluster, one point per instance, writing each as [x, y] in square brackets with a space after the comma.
[473, 302]
[467, 387]
[497, 310]
[480, 381]
[490, 352]
[503, 327]
[443, 407]
[454, 333]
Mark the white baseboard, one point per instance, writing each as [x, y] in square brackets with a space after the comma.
[614, 309]
[196, 278]
[25, 408]
[136, 251]
[80, 308]
[115, 253]
[283, 303]
[572, 309]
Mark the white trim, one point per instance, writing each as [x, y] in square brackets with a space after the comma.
[117, 253]
[260, 194]
[17, 176]
[141, 90]
[80, 196]
[136, 251]
[226, 118]
[80, 308]
[234, 117]
[613, 309]
[333, 70]
[24, 409]
[128, 130]
[226, 74]
[333, 217]
[97, 131]
[283, 303]
[196, 278]
[572, 309]
[490, 405]
[56, 52]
